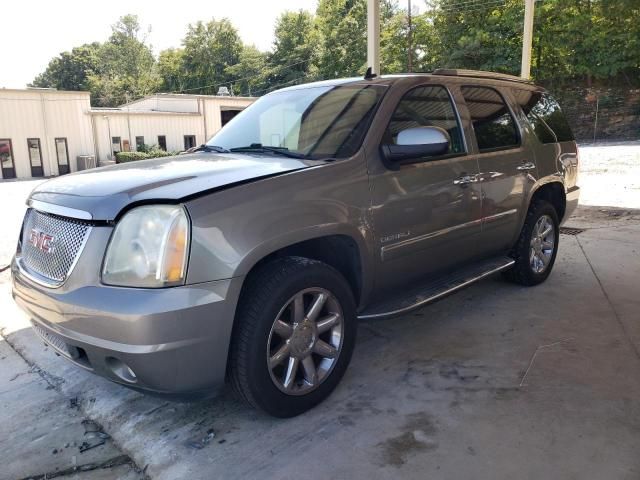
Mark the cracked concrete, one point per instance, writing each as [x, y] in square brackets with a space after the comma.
[438, 393]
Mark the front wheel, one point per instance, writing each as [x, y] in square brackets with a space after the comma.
[537, 247]
[294, 335]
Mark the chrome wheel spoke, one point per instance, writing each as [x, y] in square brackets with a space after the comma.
[298, 308]
[547, 244]
[310, 373]
[283, 329]
[323, 348]
[316, 306]
[279, 356]
[290, 374]
[327, 323]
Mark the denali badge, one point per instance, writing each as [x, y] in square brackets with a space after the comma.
[41, 241]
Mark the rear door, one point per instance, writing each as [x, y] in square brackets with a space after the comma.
[507, 168]
[426, 211]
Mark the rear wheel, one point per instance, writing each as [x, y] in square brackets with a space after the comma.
[536, 250]
[294, 335]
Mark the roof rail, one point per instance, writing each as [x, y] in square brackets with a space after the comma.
[479, 74]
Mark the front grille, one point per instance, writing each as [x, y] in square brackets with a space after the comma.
[65, 239]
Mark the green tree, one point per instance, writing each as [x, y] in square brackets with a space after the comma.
[295, 49]
[127, 66]
[249, 75]
[70, 70]
[170, 68]
[209, 50]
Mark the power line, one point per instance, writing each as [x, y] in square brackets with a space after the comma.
[230, 82]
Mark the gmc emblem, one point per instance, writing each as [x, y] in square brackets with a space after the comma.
[40, 240]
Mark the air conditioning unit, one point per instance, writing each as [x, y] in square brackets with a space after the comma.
[86, 162]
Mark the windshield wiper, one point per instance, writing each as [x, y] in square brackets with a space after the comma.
[210, 148]
[258, 147]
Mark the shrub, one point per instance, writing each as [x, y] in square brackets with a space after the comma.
[124, 157]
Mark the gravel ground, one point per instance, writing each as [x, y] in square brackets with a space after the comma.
[610, 175]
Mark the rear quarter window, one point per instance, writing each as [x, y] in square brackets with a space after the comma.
[545, 116]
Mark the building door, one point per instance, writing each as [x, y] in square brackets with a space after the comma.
[62, 153]
[162, 142]
[35, 157]
[6, 159]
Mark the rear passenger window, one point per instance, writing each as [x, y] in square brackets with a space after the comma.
[545, 116]
[492, 122]
[426, 107]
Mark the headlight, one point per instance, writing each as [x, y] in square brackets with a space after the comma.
[148, 248]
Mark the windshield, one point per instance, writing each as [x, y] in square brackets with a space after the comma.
[314, 122]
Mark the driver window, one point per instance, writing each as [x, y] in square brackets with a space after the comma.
[426, 107]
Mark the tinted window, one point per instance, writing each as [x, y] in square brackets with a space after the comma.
[426, 107]
[545, 116]
[492, 122]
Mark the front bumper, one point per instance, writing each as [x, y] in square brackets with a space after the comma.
[166, 341]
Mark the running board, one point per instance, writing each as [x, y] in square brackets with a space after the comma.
[430, 292]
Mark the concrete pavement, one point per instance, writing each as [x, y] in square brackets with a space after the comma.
[498, 381]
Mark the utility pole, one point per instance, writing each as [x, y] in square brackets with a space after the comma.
[527, 39]
[373, 35]
[410, 59]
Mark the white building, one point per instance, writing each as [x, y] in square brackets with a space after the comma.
[43, 131]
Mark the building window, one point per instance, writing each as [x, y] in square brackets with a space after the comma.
[35, 157]
[62, 154]
[189, 141]
[116, 144]
[492, 122]
[6, 159]
[140, 144]
[226, 115]
[162, 142]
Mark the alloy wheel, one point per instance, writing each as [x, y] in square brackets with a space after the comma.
[543, 239]
[305, 341]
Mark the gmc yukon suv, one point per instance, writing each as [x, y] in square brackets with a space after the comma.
[253, 258]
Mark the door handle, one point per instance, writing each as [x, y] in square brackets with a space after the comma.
[525, 167]
[465, 179]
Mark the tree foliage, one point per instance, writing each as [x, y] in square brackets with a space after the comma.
[584, 41]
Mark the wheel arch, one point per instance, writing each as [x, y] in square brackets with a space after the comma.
[338, 247]
[553, 191]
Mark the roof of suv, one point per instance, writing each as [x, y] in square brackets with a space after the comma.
[446, 72]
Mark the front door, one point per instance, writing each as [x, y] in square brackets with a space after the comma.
[426, 213]
[62, 153]
[6, 159]
[35, 157]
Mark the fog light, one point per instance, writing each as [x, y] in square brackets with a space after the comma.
[121, 370]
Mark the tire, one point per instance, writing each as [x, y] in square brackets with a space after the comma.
[273, 292]
[527, 271]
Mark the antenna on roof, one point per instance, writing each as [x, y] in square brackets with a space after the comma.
[369, 74]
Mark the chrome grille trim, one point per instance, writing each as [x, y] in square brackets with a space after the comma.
[52, 268]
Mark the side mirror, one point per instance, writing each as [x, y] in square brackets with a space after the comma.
[416, 143]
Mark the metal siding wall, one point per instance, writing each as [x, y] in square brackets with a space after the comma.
[45, 115]
[174, 127]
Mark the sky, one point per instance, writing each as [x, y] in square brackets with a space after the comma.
[35, 31]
